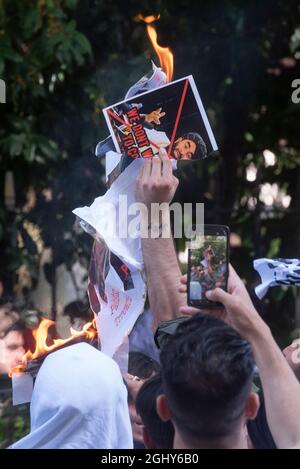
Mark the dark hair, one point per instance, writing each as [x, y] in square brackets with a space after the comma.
[207, 372]
[141, 365]
[19, 326]
[201, 150]
[162, 433]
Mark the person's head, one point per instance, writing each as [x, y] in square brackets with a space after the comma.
[190, 146]
[292, 355]
[208, 253]
[8, 316]
[156, 433]
[142, 365]
[79, 401]
[207, 372]
[13, 345]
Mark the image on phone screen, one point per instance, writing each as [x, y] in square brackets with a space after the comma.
[208, 266]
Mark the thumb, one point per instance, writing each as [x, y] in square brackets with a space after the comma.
[218, 294]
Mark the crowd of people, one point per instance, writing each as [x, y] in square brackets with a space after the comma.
[220, 380]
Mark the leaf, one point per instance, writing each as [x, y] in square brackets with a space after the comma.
[47, 147]
[72, 4]
[31, 23]
[2, 65]
[29, 153]
[274, 248]
[16, 144]
[295, 41]
[84, 43]
[11, 55]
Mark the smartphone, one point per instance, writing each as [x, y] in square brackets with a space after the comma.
[208, 265]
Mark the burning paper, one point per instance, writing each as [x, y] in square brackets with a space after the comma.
[154, 79]
[164, 54]
[153, 115]
[117, 290]
[117, 296]
[274, 272]
[151, 81]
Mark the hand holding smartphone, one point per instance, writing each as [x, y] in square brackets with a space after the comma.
[208, 265]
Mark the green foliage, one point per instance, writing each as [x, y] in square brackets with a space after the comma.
[14, 421]
[63, 61]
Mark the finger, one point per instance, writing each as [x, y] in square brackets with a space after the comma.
[218, 295]
[183, 279]
[175, 180]
[140, 173]
[188, 310]
[217, 312]
[232, 273]
[234, 281]
[147, 166]
[156, 168]
[182, 289]
[166, 163]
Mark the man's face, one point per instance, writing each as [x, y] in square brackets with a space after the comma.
[292, 355]
[12, 351]
[184, 149]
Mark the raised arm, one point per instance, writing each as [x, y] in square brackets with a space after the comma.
[157, 185]
[280, 386]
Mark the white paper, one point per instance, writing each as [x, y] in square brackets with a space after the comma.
[119, 314]
[112, 159]
[156, 79]
[121, 356]
[22, 387]
[99, 216]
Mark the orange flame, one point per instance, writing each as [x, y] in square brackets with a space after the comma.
[147, 19]
[164, 54]
[88, 332]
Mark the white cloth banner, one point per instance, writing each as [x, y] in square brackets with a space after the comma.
[274, 272]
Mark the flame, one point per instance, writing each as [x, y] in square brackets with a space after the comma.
[164, 54]
[88, 332]
[147, 19]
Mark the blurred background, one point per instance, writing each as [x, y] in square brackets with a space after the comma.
[62, 62]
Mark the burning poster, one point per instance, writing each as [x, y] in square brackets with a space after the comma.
[171, 116]
[117, 295]
[116, 285]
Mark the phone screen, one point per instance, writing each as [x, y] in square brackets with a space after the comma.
[208, 265]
